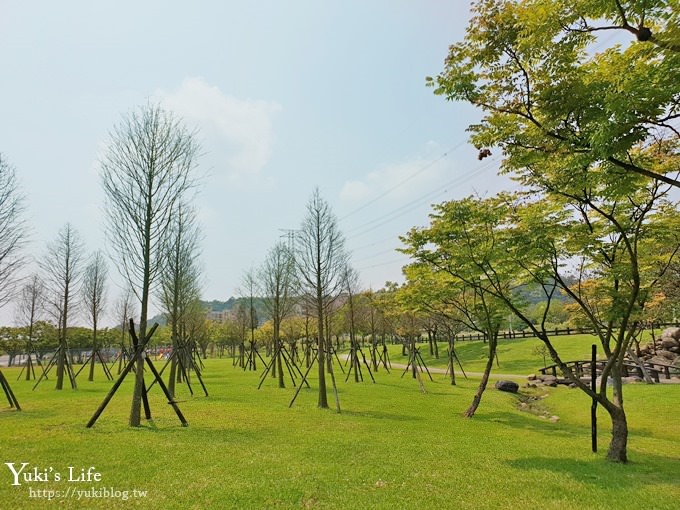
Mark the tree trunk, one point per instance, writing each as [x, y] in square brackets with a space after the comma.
[619, 442]
[61, 362]
[94, 353]
[469, 413]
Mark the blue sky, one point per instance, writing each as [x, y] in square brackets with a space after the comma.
[286, 96]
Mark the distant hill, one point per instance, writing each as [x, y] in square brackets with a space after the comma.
[220, 306]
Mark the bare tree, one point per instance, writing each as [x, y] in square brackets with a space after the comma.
[30, 308]
[13, 231]
[94, 302]
[61, 266]
[277, 282]
[180, 285]
[248, 291]
[321, 259]
[147, 169]
[125, 310]
[351, 284]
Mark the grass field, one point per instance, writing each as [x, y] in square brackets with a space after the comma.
[391, 447]
[515, 356]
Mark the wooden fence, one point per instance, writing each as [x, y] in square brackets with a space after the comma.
[552, 332]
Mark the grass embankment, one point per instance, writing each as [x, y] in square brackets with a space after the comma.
[392, 447]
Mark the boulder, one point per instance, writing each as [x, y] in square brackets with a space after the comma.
[669, 356]
[631, 379]
[509, 386]
[668, 342]
[671, 333]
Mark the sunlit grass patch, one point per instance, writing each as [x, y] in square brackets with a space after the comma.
[392, 446]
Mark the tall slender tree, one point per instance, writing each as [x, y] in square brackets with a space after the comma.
[30, 310]
[61, 266]
[125, 310]
[248, 292]
[321, 260]
[94, 300]
[147, 169]
[180, 285]
[12, 239]
[13, 231]
[277, 282]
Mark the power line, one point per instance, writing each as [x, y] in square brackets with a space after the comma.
[408, 207]
[404, 181]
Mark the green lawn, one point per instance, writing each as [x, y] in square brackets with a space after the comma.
[515, 356]
[391, 447]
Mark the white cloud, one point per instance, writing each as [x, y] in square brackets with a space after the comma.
[399, 180]
[236, 134]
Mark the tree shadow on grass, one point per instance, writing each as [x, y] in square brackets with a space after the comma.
[642, 471]
[531, 422]
[381, 415]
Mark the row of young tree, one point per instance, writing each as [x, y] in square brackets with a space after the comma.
[148, 174]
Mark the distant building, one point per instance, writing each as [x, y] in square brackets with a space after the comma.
[220, 316]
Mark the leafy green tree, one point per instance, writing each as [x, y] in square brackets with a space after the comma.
[465, 237]
[607, 252]
[554, 101]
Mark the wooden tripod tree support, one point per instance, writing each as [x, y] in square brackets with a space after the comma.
[289, 361]
[11, 398]
[416, 365]
[381, 357]
[355, 363]
[29, 366]
[61, 351]
[121, 358]
[177, 355]
[452, 356]
[329, 366]
[139, 350]
[96, 354]
[251, 362]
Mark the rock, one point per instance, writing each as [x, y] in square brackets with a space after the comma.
[671, 333]
[509, 386]
[554, 419]
[667, 355]
[658, 360]
[631, 379]
[668, 342]
[532, 377]
[548, 379]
